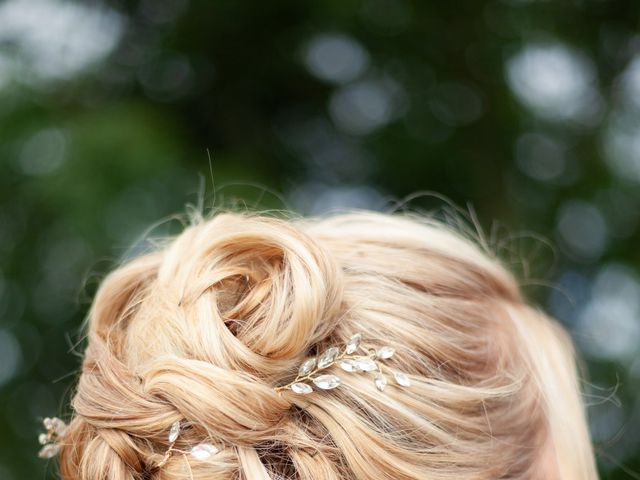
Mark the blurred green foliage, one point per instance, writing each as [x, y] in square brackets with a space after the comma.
[527, 110]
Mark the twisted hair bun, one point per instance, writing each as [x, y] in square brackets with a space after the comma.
[202, 329]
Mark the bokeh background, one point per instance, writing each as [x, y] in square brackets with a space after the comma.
[524, 113]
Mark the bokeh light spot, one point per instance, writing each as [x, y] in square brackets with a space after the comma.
[10, 356]
[622, 145]
[56, 39]
[582, 229]
[335, 57]
[316, 198]
[365, 106]
[555, 82]
[630, 80]
[608, 324]
[540, 156]
[43, 152]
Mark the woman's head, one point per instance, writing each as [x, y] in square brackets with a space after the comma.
[203, 328]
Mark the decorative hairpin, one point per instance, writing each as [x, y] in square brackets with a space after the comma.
[308, 371]
[55, 430]
[350, 362]
[201, 451]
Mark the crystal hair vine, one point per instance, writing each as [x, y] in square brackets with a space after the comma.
[348, 361]
[309, 373]
[201, 451]
[50, 439]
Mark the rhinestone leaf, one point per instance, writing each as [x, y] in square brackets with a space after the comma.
[385, 352]
[307, 367]
[49, 451]
[380, 381]
[353, 343]
[327, 382]
[301, 388]
[366, 364]
[175, 431]
[328, 357]
[202, 451]
[349, 365]
[402, 379]
[58, 426]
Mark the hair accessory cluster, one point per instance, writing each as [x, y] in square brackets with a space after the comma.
[350, 362]
[309, 373]
[201, 451]
[49, 440]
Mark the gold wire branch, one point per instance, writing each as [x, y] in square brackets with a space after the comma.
[350, 362]
[310, 373]
[56, 429]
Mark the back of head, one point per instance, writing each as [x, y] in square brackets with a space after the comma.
[202, 329]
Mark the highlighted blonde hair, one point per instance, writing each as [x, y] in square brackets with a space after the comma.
[203, 328]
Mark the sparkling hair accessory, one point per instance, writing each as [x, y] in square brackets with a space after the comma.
[348, 361]
[309, 373]
[201, 451]
[50, 440]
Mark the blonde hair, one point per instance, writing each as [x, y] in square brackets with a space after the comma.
[203, 328]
